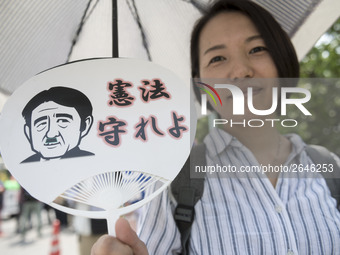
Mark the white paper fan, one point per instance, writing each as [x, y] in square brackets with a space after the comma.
[133, 141]
[109, 192]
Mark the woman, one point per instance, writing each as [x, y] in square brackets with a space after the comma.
[237, 40]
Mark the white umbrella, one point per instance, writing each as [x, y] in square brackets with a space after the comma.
[37, 34]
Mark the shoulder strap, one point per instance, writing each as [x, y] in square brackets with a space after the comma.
[320, 155]
[187, 192]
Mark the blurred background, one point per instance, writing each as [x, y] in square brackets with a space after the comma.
[26, 223]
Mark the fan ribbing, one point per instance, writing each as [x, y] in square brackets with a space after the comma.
[110, 190]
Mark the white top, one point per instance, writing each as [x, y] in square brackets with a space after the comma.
[248, 215]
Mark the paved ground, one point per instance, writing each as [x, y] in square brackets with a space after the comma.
[11, 243]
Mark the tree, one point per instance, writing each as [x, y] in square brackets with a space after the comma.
[322, 66]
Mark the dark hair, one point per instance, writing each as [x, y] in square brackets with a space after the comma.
[276, 39]
[63, 96]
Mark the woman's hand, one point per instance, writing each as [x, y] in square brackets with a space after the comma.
[126, 242]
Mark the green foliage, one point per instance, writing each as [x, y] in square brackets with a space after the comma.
[323, 61]
[202, 129]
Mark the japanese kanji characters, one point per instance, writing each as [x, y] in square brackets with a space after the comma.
[112, 128]
[119, 95]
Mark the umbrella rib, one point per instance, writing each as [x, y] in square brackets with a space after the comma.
[84, 18]
[135, 15]
[115, 52]
[197, 5]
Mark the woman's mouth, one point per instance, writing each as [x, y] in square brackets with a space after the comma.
[251, 90]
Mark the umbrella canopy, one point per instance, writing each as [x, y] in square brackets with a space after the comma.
[37, 34]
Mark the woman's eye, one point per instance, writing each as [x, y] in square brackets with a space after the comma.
[217, 59]
[257, 49]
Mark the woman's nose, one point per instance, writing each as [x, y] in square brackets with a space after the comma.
[240, 68]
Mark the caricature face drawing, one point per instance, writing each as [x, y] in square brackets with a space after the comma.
[55, 129]
[56, 122]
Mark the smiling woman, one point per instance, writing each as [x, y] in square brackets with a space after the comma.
[242, 56]
[264, 212]
[270, 212]
[263, 37]
[237, 53]
[236, 57]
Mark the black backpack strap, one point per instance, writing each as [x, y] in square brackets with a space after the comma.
[187, 192]
[320, 155]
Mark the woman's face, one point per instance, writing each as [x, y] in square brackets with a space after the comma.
[230, 47]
